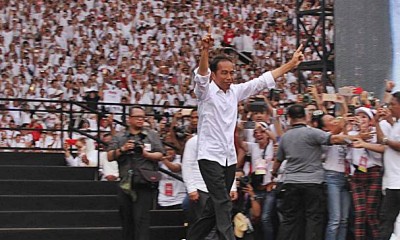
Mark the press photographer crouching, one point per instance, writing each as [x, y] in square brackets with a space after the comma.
[137, 151]
[247, 208]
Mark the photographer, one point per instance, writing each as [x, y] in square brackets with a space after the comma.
[261, 153]
[182, 126]
[246, 208]
[137, 152]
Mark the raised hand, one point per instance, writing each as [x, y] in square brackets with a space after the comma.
[207, 42]
[298, 56]
[389, 85]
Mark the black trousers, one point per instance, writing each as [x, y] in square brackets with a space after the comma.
[196, 210]
[135, 216]
[303, 211]
[217, 211]
[389, 211]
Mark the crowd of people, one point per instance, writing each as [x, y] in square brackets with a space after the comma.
[110, 54]
[133, 52]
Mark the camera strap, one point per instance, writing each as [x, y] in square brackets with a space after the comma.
[264, 151]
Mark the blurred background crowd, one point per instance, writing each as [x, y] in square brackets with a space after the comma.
[133, 52]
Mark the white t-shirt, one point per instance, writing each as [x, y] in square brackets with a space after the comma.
[335, 157]
[363, 157]
[171, 190]
[262, 159]
[112, 96]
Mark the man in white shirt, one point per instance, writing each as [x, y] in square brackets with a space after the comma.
[195, 185]
[391, 176]
[218, 100]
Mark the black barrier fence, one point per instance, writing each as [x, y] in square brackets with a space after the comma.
[70, 114]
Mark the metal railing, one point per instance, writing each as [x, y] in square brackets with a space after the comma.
[70, 112]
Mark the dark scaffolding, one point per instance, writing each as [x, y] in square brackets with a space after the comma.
[307, 35]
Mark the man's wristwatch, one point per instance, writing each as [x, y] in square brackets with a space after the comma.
[385, 140]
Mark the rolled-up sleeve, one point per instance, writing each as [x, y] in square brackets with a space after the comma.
[202, 84]
[255, 85]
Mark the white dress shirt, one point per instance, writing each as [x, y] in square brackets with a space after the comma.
[218, 113]
[391, 175]
[190, 168]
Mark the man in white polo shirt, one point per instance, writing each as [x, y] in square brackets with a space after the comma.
[391, 176]
[218, 100]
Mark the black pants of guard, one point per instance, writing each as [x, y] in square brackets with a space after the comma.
[303, 210]
[217, 211]
[135, 216]
[389, 211]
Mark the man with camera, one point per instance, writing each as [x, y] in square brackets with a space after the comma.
[137, 151]
[247, 207]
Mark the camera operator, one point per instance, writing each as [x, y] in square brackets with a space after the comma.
[262, 157]
[246, 208]
[182, 126]
[137, 151]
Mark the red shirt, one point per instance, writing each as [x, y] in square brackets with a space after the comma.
[36, 133]
[228, 37]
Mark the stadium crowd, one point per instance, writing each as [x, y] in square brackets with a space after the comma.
[144, 52]
[131, 51]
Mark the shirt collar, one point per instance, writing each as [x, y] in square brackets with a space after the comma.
[217, 89]
[144, 133]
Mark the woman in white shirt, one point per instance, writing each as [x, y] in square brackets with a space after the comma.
[338, 195]
[366, 179]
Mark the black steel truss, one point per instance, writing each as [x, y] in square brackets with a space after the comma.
[325, 63]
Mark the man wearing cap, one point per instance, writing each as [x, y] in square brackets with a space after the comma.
[391, 176]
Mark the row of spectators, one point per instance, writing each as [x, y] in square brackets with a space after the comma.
[136, 51]
[139, 52]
